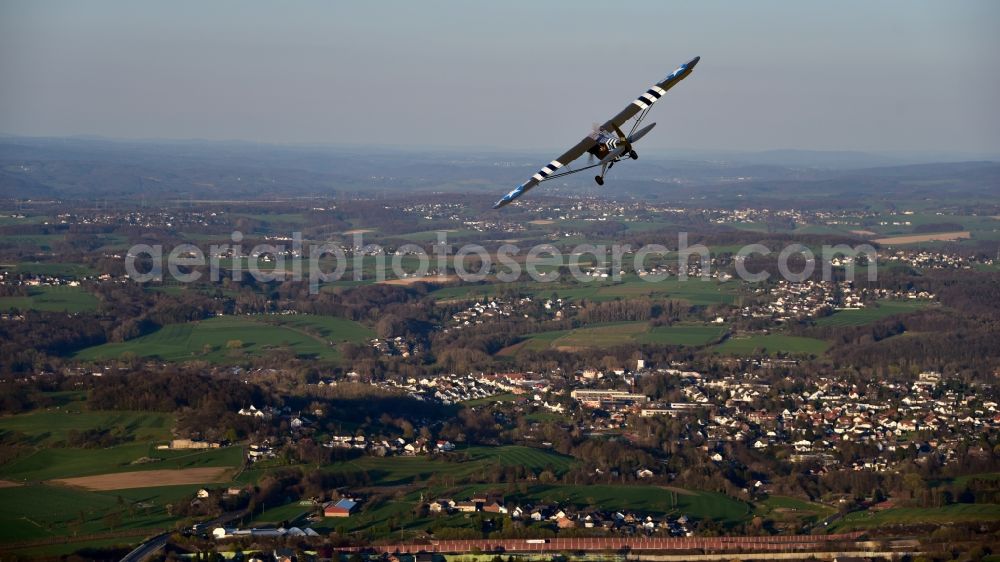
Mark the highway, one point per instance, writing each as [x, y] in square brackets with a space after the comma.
[150, 546]
[147, 549]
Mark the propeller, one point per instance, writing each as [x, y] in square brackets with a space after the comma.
[595, 133]
[622, 138]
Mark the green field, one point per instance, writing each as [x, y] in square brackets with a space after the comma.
[602, 335]
[36, 508]
[535, 342]
[969, 222]
[64, 462]
[388, 471]
[329, 327]
[39, 241]
[409, 476]
[232, 338]
[286, 218]
[869, 314]
[290, 512]
[528, 457]
[644, 499]
[772, 344]
[693, 291]
[62, 298]
[785, 508]
[399, 483]
[622, 333]
[40, 511]
[683, 334]
[54, 268]
[964, 480]
[11, 219]
[432, 235]
[58, 549]
[649, 499]
[48, 427]
[954, 513]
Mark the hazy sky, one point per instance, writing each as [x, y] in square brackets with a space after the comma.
[888, 75]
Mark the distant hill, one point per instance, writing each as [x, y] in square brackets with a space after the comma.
[96, 168]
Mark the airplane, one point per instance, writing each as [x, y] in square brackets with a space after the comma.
[608, 143]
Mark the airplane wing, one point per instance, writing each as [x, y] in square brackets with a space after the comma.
[646, 100]
[570, 155]
[641, 103]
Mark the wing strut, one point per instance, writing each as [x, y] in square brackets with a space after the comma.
[638, 120]
[561, 174]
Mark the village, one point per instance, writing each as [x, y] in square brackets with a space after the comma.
[826, 421]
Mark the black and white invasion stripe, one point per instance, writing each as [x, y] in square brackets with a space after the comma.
[548, 170]
[649, 98]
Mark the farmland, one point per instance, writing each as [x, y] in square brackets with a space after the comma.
[652, 499]
[389, 471]
[784, 508]
[40, 511]
[66, 462]
[622, 333]
[73, 270]
[53, 299]
[329, 327]
[409, 478]
[646, 499]
[955, 513]
[692, 291]
[53, 490]
[867, 315]
[468, 390]
[772, 344]
[48, 427]
[147, 478]
[913, 239]
[683, 334]
[228, 339]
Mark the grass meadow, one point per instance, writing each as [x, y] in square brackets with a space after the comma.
[869, 314]
[231, 338]
[61, 298]
[772, 344]
[622, 333]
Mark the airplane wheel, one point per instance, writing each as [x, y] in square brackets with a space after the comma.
[633, 155]
[599, 180]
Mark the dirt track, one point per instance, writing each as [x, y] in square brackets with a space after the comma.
[148, 478]
[923, 237]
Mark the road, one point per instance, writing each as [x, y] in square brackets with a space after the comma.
[148, 548]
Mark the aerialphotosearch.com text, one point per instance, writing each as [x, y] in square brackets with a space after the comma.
[328, 262]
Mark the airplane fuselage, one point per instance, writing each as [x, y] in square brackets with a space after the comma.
[609, 144]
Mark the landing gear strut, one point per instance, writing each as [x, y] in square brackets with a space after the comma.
[599, 180]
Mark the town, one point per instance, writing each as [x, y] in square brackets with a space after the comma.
[399, 412]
